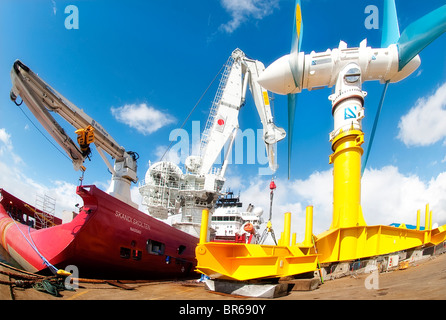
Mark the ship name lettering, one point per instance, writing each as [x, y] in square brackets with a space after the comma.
[134, 221]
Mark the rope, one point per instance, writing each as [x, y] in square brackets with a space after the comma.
[51, 285]
[45, 261]
[21, 271]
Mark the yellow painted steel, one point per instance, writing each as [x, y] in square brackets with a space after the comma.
[204, 225]
[346, 161]
[348, 238]
[426, 220]
[240, 261]
[430, 220]
[287, 229]
[418, 219]
[344, 244]
[308, 241]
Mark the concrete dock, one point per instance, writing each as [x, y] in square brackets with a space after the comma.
[422, 280]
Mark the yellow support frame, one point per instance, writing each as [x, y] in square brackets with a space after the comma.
[349, 238]
[238, 261]
[344, 244]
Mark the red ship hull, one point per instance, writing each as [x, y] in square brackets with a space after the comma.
[108, 239]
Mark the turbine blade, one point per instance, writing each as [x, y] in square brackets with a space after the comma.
[419, 34]
[375, 124]
[391, 30]
[296, 42]
[296, 39]
[292, 101]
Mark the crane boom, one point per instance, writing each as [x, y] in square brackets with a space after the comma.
[167, 190]
[42, 99]
[240, 72]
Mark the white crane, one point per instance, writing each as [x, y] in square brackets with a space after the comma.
[42, 99]
[167, 189]
[222, 124]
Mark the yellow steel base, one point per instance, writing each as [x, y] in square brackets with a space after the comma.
[243, 262]
[238, 261]
[344, 244]
[349, 238]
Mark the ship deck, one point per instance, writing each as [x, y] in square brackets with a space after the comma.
[423, 280]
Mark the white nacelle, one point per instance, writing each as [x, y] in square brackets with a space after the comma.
[316, 70]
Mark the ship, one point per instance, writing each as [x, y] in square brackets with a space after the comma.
[232, 224]
[107, 239]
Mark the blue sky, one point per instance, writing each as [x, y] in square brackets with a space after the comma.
[146, 60]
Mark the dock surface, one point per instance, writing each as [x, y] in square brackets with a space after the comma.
[424, 280]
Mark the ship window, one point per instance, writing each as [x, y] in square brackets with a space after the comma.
[155, 247]
[125, 253]
[137, 255]
[181, 249]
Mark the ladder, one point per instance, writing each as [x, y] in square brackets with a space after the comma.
[215, 104]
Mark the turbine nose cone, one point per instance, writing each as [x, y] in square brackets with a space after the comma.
[278, 77]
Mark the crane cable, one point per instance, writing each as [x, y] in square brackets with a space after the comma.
[269, 225]
[193, 109]
[35, 126]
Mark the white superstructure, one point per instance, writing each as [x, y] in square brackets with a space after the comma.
[230, 222]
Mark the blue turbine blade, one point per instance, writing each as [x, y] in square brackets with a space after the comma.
[391, 30]
[375, 124]
[292, 101]
[419, 34]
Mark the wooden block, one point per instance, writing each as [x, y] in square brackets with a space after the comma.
[302, 284]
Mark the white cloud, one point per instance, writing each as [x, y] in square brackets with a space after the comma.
[387, 196]
[169, 155]
[26, 189]
[54, 7]
[6, 146]
[242, 10]
[5, 138]
[14, 181]
[424, 124]
[145, 119]
[289, 196]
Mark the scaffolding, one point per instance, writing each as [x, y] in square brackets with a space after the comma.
[45, 211]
